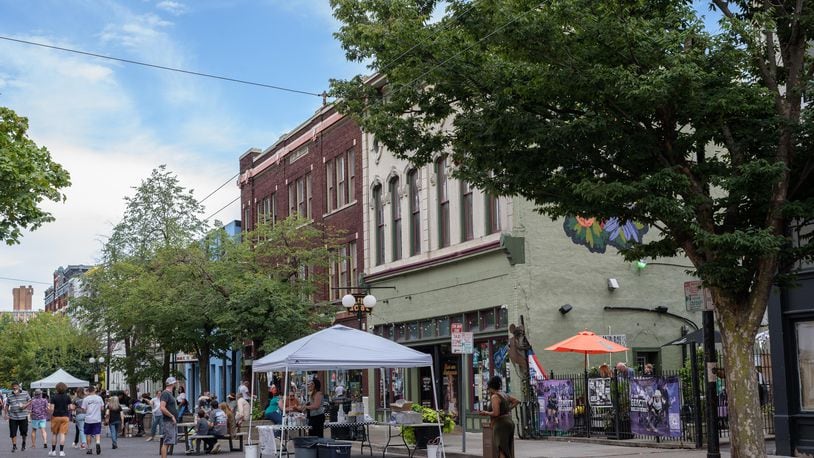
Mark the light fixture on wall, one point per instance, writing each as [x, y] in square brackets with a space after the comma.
[640, 265]
[565, 308]
[660, 309]
[613, 284]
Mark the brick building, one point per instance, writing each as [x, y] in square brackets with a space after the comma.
[67, 284]
[22, 297]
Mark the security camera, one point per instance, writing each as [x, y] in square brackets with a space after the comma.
[613, 284]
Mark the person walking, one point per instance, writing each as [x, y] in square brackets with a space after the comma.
[155, 428]
[93, 406]
[501, 418]
[169, 412]
[59, 407]
[113, 418]
[16, 412]
[39, 415]
[79, 417]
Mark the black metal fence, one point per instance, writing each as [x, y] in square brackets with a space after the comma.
[612, 418]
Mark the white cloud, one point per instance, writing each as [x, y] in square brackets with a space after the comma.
[320, 9]
[175, 8]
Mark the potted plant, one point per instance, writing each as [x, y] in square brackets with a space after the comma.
[420, 435]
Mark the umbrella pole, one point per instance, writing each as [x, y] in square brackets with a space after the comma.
[587, 399]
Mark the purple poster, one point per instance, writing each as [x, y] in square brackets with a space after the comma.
[556, 399]
[655, 408]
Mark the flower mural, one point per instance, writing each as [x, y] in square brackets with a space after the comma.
[596, 234]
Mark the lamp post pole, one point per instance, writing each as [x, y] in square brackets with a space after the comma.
[96, 362]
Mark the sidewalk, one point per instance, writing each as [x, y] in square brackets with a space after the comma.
[549, 448]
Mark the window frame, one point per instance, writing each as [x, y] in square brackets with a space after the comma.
[415, 212]
[395, 217]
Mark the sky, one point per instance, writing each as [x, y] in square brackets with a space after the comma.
[110, 123]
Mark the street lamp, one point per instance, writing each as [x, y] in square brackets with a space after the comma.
[360, 303]
[96, 362]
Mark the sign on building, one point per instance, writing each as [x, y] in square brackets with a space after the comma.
[696, 297]
[620, 339]
[462, 342]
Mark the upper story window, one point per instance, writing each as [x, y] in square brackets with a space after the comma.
[343, 270]
[395, 208]
[246, 217]
[379, 221]
[267, 210]
[298, 153]
[300, 197]
[415, 212]
[467, 232]
[443, 202]
[340, 174]
[492, 213]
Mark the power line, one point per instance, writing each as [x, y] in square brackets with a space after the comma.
[222, 209]
[160, 67]
[218, 188]
[26, 281]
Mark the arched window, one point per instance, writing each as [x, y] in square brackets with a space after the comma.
[395, 204]
[415, 212]
[379, 220]
[443, 201]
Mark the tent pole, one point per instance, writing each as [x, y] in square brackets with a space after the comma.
[251, 407]
[285, 401]
[437, 412]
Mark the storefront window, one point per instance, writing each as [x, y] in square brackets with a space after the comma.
[412, 331]
[394, 380]
[805, 363]
[487, 320]
[443, 327]
[489, 359]
[471, 323]
[502, 318]
[427, 329]
[351, 380]
[400, 330]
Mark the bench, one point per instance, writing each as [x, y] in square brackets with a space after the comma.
[237, 436]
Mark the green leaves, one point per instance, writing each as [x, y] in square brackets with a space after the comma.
[27, 177]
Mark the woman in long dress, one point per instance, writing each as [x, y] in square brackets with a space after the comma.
[501, 418]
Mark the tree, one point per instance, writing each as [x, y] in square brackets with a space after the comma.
[124, 292]
[625, 109]
[27, 176]
[32, 350]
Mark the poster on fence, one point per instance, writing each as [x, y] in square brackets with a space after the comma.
[556, 400]
[599, 392]
[655, 408]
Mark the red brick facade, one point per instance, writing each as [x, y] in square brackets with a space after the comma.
[268, 174]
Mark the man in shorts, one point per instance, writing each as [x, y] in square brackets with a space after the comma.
[93, 405]
[17, 406]
[59, 407]
[169, 410]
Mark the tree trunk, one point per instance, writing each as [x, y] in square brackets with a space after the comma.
[745, 415]
[165, 367]
[129, 369]
[203, 367]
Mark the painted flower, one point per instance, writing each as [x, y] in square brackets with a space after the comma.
[596, 235]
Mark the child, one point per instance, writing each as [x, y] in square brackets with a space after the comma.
[202, 429]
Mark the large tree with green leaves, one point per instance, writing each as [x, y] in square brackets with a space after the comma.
[618, 108]
[27, 177]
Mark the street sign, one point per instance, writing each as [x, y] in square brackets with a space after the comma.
[696, 297]
[462, 342]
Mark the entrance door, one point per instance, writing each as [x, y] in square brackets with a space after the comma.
[425, 385]
[646, 356]
[450, 384]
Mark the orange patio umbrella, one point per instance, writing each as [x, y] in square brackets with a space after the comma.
[587, 343]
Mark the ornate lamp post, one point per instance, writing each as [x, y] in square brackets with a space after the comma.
[360, 303]
[96, 362]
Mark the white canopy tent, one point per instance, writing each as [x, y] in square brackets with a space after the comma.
[341, 347]
[60, 376]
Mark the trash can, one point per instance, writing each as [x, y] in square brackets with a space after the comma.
[305, 446]
[334, 449]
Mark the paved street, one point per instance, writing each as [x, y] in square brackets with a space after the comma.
[138, 447]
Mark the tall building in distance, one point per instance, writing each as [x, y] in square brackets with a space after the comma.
[22, 297]
[67, 284]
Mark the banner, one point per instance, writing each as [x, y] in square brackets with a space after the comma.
[655, 408]
[599, 392]
[556, 400]
[536, 370]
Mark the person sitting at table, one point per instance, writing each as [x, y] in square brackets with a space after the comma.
[292, 404]
[202, 429]
[314, 410]
[220, 423]
[274, 411]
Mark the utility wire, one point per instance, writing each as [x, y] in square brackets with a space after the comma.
[222, 209]
[218, 188]
[26, 281]
[161, 67]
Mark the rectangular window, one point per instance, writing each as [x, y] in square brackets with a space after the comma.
[330, 198]
[298, 154]
[246, 215]
[443, 202]
[292, 198]
[805, 363]
[395, 208]
[352, 263]
[301, 209]
[467, 232]
[492, 213]
[351, 161]
[379, 216]
[273, 200]
[299, 196]
[343, 265]
[308, 196]
[415, 213]
[341, 183]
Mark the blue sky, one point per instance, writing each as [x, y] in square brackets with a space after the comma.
[110, 123]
